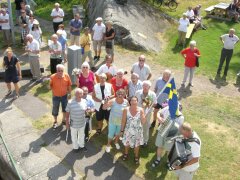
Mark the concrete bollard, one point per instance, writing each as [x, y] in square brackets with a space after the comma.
[74, 57]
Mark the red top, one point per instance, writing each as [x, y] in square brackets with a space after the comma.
[190, 59]
[88, 82]
[116, 88]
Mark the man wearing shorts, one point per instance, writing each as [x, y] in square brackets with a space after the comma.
[60, 84]
[99, 31]
[160, 84]
[162, 142]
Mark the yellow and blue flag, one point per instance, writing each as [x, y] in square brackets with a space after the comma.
[172, 98]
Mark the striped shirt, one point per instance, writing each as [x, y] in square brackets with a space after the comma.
[77, 112]
[132, 89]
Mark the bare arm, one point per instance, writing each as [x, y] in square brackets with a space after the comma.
[142, 116]
[108, 104]
[19, 70]
[94, 97]
[124, 120]
[149, 76]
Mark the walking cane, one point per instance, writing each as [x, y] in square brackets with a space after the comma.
[67, 135]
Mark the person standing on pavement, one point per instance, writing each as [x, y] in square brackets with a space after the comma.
[75, 118]
[191, 55]
[60, 84]
[90, 110]
[102, 93]
[142, 69]
[33, 50]
[117, 106]
[6, 29]
[85, 42]
[75, 28]
[57, 15]
[55, 50]
[162, 98]
[229, 40]
[13, 72]
[98, 32]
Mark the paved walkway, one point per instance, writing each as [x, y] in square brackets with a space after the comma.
[46, 155]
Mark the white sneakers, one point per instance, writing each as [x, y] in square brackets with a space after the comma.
[117, 146]
[108, 148]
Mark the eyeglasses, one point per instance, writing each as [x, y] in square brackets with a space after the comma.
[141, 60]
[59, 70]
[120, 94]
[85, 67]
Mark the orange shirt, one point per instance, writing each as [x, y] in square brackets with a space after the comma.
[60, 86]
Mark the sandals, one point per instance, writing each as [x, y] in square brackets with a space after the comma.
[136, 160]
[98, 131]
[55, 125]
[125, 157]
[155, 163]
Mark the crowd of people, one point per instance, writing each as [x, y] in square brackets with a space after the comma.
[130, 107]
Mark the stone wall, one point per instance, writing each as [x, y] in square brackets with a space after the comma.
[138, 25]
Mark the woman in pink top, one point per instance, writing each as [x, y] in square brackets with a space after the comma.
[86, 78]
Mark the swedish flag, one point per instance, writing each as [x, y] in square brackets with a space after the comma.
[172, 98]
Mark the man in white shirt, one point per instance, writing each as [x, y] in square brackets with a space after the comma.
[142, 69]
[4, 22]
[186, 171]
[99, 30]
[147, 100]
[33, 50]
[134, 85]
[57, 15]
[229, 40]
[190, 14]
[182, 29]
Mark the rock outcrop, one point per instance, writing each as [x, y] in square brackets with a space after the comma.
[138, 26]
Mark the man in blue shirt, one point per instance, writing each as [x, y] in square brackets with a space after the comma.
[75, 28]
[90, 110]
[63, 42]
[162, 98]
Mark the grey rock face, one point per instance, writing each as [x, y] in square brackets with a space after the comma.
[137, 24]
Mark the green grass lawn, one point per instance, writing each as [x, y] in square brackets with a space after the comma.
[214, 117]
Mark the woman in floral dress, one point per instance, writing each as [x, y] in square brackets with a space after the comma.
[132, 121]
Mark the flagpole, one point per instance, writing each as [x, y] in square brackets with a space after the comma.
[171, 77]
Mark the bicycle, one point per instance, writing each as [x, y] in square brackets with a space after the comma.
[172, 4]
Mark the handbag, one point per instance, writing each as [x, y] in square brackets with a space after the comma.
[197, 62]
[109, 44]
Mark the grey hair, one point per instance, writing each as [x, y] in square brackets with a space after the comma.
[29, 36]
[60, 66]
[135, 74]
[167, 72]
[78, 90]
[193, 43]
[85, 64]
[147, 82]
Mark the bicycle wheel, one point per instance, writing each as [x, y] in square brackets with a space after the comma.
[158, 3]
[172, 5]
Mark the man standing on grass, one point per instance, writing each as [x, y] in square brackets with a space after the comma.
[229, 40]
[33, 50]
[60, 84]
[186, 171]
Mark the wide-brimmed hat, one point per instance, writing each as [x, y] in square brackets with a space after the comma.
[35, 22]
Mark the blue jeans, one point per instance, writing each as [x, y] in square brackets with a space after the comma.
[56, 100]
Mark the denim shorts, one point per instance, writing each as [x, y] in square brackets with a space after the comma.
[113, 130]
[56, 100]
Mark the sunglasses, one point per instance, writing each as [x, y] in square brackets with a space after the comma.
[85, 67]
[142, 60]
[120, 94]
